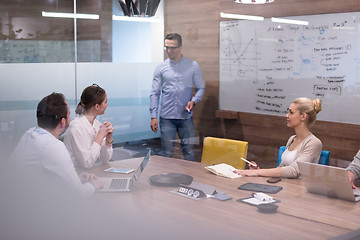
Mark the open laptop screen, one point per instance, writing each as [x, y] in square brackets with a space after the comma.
[326, 180]
[142, 165]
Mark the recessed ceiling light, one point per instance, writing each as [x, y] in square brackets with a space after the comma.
[69, 15]
[289, 21]
[239, 16]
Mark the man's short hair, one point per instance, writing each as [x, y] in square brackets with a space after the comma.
[174, 36]
[50, 110]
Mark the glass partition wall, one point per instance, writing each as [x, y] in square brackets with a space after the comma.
[43, 52]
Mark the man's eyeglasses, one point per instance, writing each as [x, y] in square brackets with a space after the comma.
[170, 48]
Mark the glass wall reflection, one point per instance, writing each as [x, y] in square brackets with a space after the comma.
[38, 55]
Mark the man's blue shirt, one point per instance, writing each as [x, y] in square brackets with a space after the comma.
[174, 82]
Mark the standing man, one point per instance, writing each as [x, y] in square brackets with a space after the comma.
[41, 150]
[174, 80]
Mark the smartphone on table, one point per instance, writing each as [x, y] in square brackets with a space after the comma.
[274, 180]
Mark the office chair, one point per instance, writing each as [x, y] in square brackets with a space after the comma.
[324, 156]
[221, 150]
[281, 151]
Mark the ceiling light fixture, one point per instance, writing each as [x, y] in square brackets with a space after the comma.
[238, 16]
[289, 21]
[69, 15]
[254, 1]
[139, 8]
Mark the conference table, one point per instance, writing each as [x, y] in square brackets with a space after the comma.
[152, 212]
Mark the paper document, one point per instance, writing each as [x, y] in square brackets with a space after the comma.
[223, 170]
[256, 201]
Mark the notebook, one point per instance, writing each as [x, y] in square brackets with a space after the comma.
[327, 180]
[124, 183]
[223, 170]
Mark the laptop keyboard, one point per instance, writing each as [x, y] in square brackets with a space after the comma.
[118, 183]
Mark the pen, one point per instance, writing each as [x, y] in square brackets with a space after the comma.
[253, 164]
[188, 110]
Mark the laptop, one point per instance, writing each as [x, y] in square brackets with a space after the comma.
[327, 180]
[124, 183]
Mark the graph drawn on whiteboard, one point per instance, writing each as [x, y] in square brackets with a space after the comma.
[264, 66]
[238, 55]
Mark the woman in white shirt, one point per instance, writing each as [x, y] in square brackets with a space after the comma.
[303, 146]
[86, 138]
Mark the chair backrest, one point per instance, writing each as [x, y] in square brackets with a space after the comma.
[281, 151]
[324, 156]
[221, 150]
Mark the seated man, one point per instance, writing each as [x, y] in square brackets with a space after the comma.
[41, 150]
[354, 169]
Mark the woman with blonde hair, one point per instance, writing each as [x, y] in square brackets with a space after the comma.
[87, 139]
[301, 147]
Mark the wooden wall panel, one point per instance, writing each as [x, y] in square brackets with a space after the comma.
[198, 23]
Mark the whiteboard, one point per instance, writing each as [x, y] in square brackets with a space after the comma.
[264, 65]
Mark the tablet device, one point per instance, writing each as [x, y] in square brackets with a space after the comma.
[256, 187]
[221, 196]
